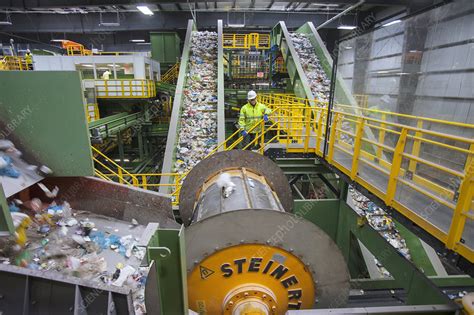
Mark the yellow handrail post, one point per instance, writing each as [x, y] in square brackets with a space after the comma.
[176, 189]
[319, 133]
[466, 191]
[332, 137]
[262, 137]
[416, 147]
[119, 172]
[307, 115]
[144, 182]
[357, 148]
[279, 117]
[396, 164]
[381, 138]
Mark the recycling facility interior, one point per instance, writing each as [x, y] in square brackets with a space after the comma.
[128, 186]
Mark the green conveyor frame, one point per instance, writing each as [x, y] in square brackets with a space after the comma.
[281, 37]
[43, 114]
[178, 100]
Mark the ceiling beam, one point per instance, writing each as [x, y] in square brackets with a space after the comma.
[29, 4]
[270, 5]
[162, 20]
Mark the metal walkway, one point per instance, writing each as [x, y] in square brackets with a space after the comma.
[389, 154]
[398, 173]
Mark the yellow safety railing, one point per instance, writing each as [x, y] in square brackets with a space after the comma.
[77, 50]
[246, 41]
[249, 67]
[92, 112]
[171, 76]
[14, 63]
[125, 88]
[410, 167]
[397, 157]
[279, 65]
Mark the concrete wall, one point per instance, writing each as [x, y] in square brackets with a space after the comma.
[422, 66]
[445, 80]
[446, 85]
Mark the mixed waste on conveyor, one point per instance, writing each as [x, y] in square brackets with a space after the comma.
[381, 222]
[319, 83]
[50, 236]
[320, 87]
[198, 131]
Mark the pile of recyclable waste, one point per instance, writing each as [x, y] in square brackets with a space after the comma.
[198, 124]
[381, 222]
[319, 82]
[49, 236]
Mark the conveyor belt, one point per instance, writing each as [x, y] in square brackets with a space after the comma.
[111, 125]
[178, 103]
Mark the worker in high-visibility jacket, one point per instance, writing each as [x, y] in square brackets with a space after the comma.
[250, 114]
[29, 60]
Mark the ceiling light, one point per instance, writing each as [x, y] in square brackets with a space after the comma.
[86, 65]
[144, 9]
[143, 43]
[391, 23]
[346, 27]
[348, 47]
[109, 24]
[125, 160]
[137, 40]
[57, 40]
[235, 25]
[5, 23]
[325, 4]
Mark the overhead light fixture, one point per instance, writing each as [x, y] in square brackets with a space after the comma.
[8, 19]
[137, 40]
[143, 43]
[144, 9]
[325, 4]
[391, 23]
[348, 47]
[109, 24]
[346, 27]
[57, 40]
[235, 25]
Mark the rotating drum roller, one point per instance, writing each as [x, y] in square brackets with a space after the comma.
[246, 253]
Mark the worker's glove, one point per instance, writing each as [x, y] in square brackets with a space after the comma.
[265, 118]
[244, 133]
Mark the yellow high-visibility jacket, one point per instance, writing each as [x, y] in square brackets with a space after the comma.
[250, 115]
[29, 58]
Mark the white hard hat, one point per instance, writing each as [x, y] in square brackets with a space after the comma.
[251, 95]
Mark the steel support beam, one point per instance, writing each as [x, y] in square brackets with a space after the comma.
[86, 3]
[161, 20]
